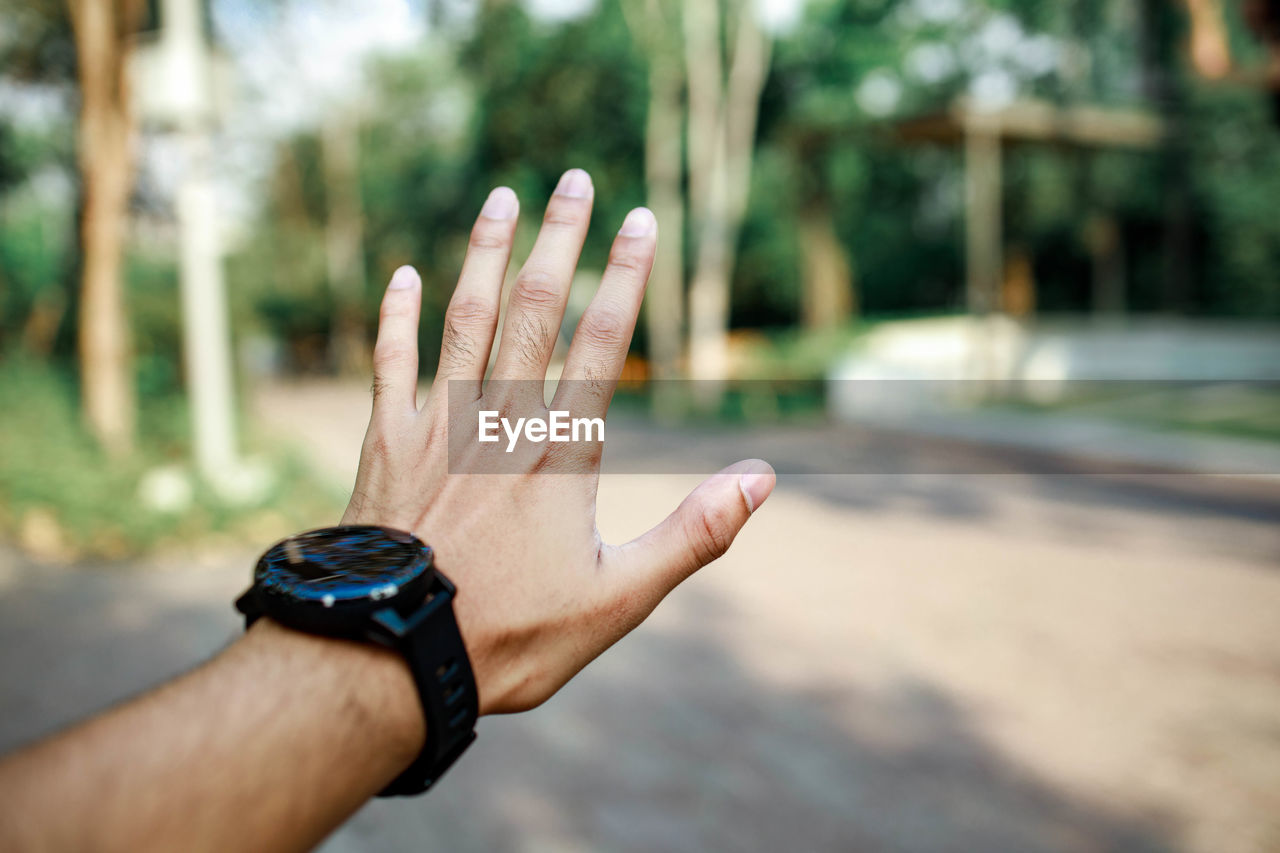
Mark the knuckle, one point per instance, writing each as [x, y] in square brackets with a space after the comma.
[569, 458]
[604, 328]
[508, 397]
[714, 533]
[465, 317]
[487, 239]
[470, 311]
[630, 263]
[538, 290]
[564, 213]
[392, 355]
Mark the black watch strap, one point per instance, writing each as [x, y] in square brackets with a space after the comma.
[431, 643]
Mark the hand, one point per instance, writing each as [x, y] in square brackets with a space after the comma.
[539, 595]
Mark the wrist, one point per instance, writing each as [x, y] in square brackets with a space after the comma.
[377, 586]
[370, 686]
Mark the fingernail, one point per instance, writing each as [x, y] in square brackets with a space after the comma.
[575, 183]
[404, 278]
[501, 204]
[639, 223]
[757, 484]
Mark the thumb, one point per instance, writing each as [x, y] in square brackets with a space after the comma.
[701, 529]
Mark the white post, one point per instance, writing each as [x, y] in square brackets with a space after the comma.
[179, 95]
[206, 334]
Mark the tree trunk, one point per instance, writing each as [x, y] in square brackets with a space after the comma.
[704, 64]
[1106, 254]
[983, 220]
[720, 155]
[829, 298]
[103, 29]
[663, 170]
[344, 240]
[655, 27]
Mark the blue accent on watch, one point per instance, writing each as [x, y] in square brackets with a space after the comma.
[347, 563]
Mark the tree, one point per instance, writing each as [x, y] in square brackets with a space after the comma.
[103, 31]
[344, 237]
[655, 26]
[725, 82]
[36, 53]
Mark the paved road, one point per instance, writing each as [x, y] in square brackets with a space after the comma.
[925, 661]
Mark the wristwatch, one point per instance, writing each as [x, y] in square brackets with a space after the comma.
[379, 585]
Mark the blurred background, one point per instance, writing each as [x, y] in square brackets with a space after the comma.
[995, 284]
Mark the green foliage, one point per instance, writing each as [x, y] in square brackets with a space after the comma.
[1235, 172]
[766, 287]
[35, 242]
[514, 100]
[36, 43]
[154, 306]
[505, 98]
[574, 95]
[517, 106]
[37, 213]
[53, 471]
[278, 282]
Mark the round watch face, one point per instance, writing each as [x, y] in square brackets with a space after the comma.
[344, 564]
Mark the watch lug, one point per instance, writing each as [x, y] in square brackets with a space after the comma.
[248, 605]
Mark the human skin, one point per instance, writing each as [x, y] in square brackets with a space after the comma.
[281, 737]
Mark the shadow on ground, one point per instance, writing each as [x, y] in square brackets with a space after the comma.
[667, 743]
[674, 746]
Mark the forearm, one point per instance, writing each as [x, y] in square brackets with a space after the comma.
[271, 745]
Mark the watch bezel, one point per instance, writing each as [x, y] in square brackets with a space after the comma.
[347, 610]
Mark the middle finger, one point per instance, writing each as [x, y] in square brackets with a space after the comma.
[538, 297]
